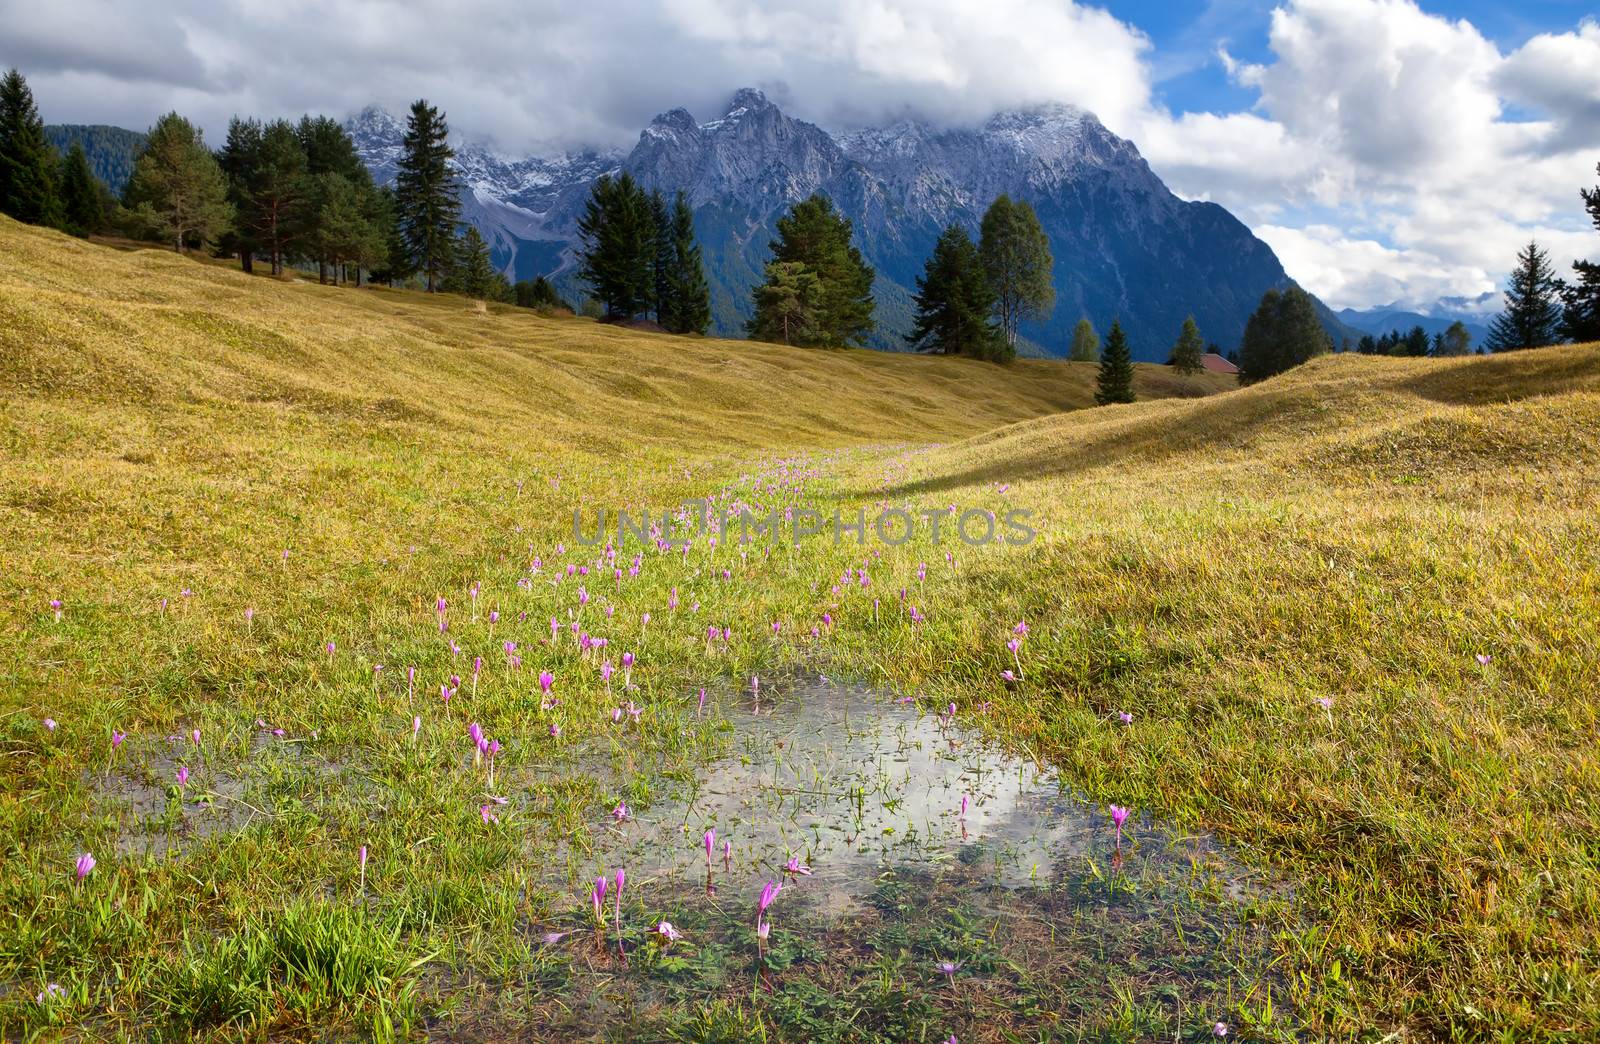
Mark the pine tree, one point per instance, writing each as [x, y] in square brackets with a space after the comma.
[688, 294]
[1414, 343]
[1115, 380]
[1580, 315]
[473, 273]
[617, 254]
[427, 206]
[539, 294]
[82, 211]
[1283, 332]
[661, 256]
[954, 301]
[790, 305]
[817, 237]
[394, 263]
[1190, 347]
[1016, 254]
[178, 191]
[1085, 343]
[240, 160]
[27, 161]
[1531, 318]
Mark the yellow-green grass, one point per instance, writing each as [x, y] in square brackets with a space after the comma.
[1358, 529]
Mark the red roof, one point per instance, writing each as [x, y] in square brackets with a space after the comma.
[1217, 364]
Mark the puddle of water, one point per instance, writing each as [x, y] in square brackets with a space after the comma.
[853, 784]
[156, 818]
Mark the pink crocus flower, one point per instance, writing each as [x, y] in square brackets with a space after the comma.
[183, 775]
[963, 807]
[50, 724]
[555, 730]
[620, 813]
[194, 737]
[1119, 816]
[597, 898]
[667, 934]
[1008, 675]
[1219, 1030]
[250, 618]
[487, 815]
[84, 864]
[362, 859]
[768, 894]
[1483, 661]
[117, 738]
[546, 679]
[1125, 717]
[797, 868]
[711, 843]
[948, 969]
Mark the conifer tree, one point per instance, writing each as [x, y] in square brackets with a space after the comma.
[240, 160]
[815, 236]
[178, 191]
[954, 301]
[1016, 254]
[427, 206]
[538, 293]
[790, 305]
[1580, 316]
[1085, 343]
[617, 254]
[82, 211]
[1115, 380]
[473, 273]
[689, 296]
[661, 256]
[1190, 347]
[1531, 318]
[1456, 340]
[1283, 332]
[28, 163]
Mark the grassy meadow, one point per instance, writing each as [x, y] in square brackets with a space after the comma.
[1349, 615]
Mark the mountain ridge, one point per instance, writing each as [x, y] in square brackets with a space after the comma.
[1126, 247]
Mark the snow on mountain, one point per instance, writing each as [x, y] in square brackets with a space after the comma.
[1125, 247]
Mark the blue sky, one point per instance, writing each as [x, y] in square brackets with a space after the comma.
[1388, 152]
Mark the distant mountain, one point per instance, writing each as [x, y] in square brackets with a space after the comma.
[1379, 321]
[112, 151]
[1125, 246]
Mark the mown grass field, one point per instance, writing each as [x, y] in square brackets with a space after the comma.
[1288, 587]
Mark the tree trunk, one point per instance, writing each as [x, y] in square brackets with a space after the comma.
[246, 261]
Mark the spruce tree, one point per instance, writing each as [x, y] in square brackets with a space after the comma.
[1115, 380]
[538, 293]
[1085, 343]
[617, 251]
[1580, 315]
[473, 273]
[954, 301]
[1531, 318]
[240, 160]
[1283, 332]
[1190, 347]
[27, 161]
[178, 191]
[688, 293]
[661, 256]
[427, 206]
[790, 305]
[817, 237]
[81, 193]
[1016, 255]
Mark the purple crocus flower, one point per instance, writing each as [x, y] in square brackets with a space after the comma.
[84, 865]
[598, 898]
[546, 679]
[1219, 1030]
[183, 775]
[117, 738]
[1119, 816]
[711, 843]
[50, 724]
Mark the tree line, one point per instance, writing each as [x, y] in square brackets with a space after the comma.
[1455, 340]
[277, 193]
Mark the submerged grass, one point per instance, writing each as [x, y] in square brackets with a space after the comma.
[1360, 531]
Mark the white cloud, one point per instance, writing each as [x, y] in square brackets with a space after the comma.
[1382, 161]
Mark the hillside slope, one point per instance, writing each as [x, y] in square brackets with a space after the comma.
[247, 494]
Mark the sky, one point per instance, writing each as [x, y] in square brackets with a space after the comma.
[1389, 152]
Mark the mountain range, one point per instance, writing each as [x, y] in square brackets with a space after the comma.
[1125, 246]
[1379, 321]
